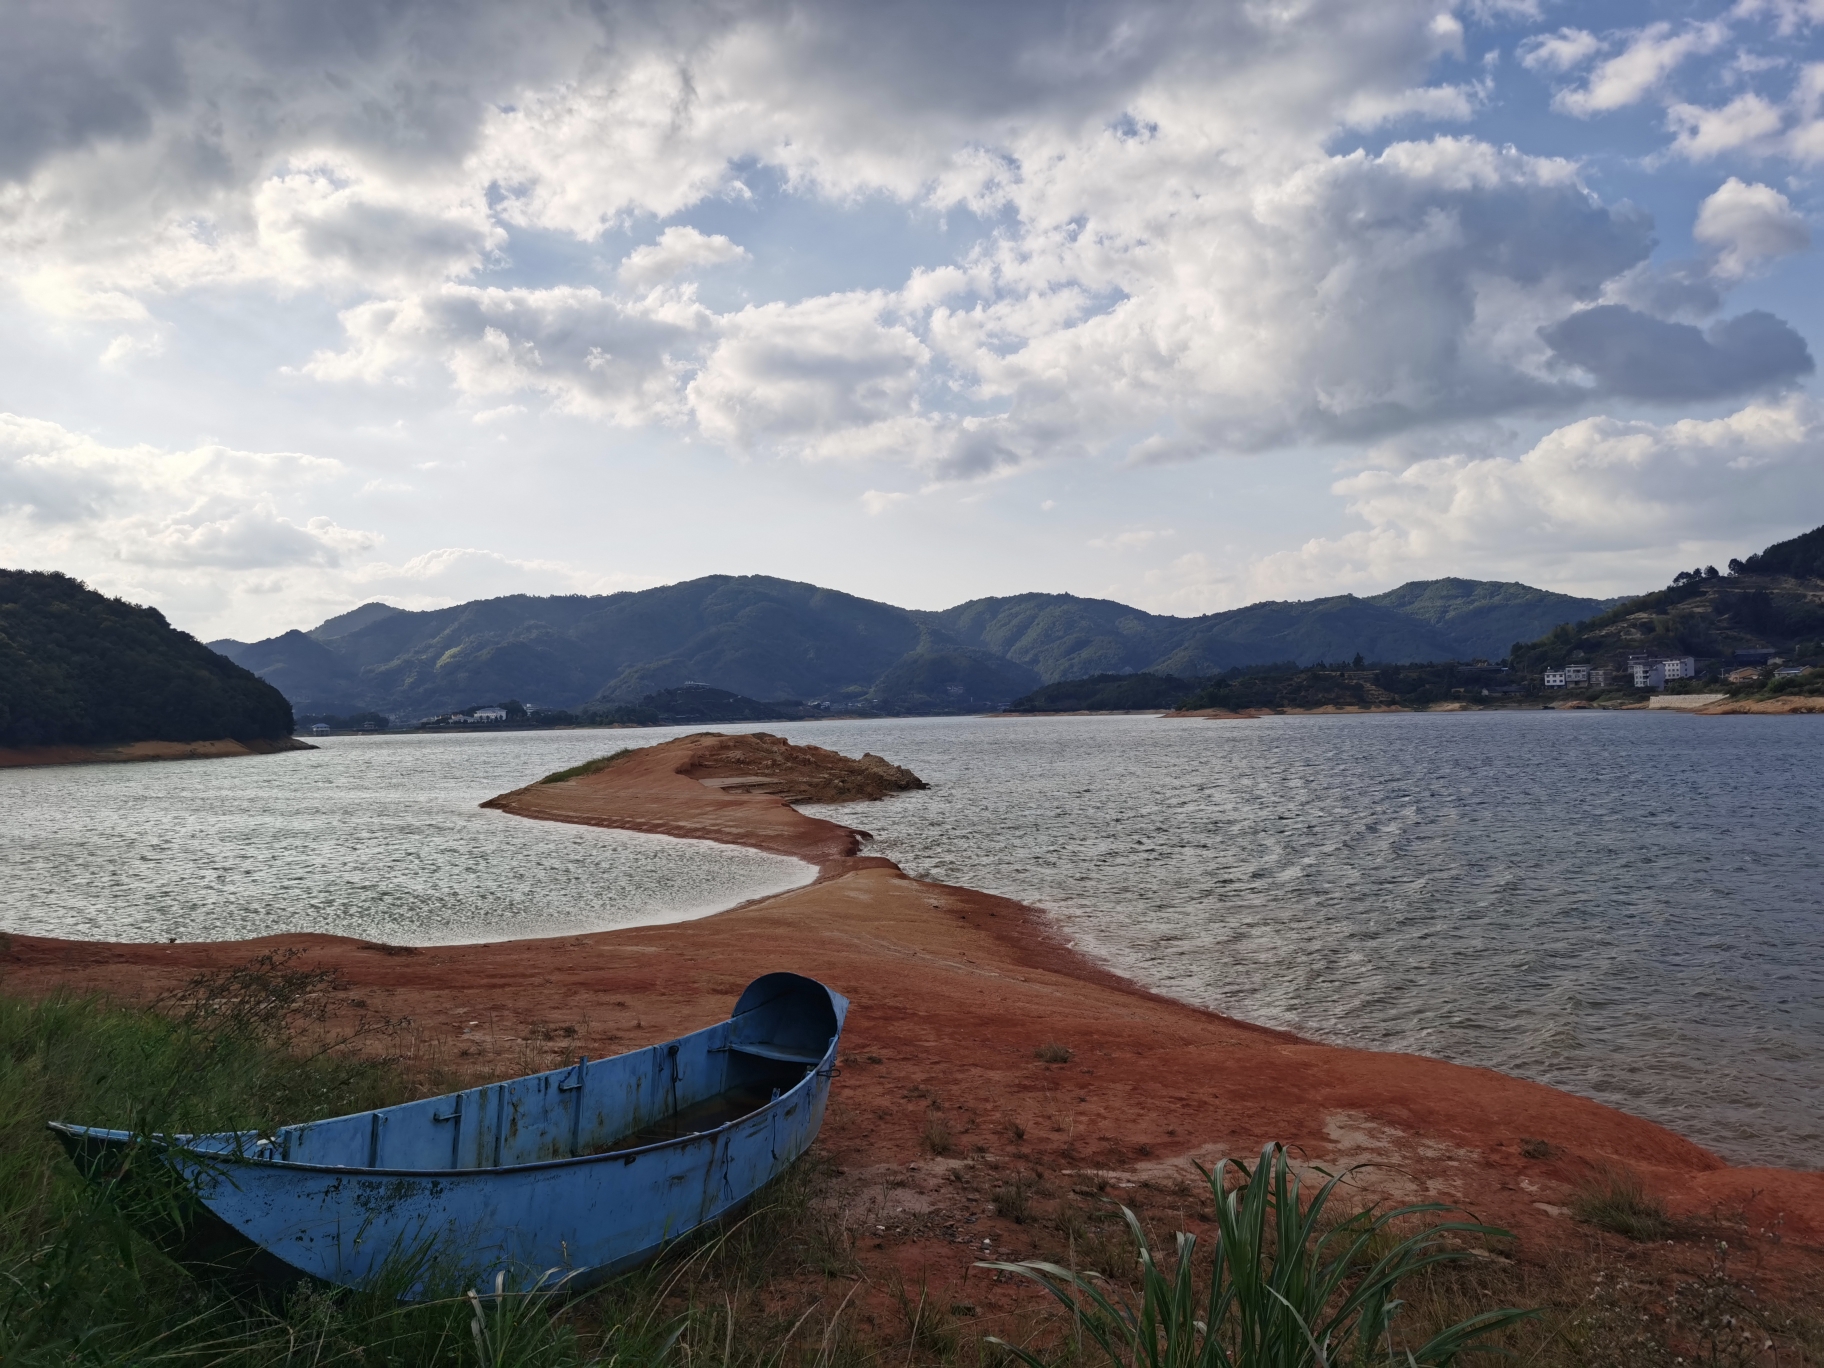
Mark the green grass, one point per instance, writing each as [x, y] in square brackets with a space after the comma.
[79, 1285]
[587, 767]
[1617, 1200]
[1286, 1286]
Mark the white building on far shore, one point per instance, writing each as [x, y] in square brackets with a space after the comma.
[1650, 673]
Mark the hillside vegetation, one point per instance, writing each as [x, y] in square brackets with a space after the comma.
[79, 668]
[763, 638]
[1770, 602]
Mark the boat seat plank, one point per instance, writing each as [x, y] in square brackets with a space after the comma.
[790, 1056]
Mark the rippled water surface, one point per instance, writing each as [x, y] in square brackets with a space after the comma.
[369, 836]
[1626, 905]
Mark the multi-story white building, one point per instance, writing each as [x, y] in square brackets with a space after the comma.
[1554, 679]
[1653, 674]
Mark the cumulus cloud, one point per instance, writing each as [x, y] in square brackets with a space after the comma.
[829, 377]
[1188, 253]
[1565, 50]
[1748, 122]
[1749, 226]
[1600, 505]
[213, 536]
[208, 505]
[679, 251]
[589, 352]
[1651, 54]
[1638, 357]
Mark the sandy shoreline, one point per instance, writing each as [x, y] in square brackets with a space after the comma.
[139, 751]
[954, 990]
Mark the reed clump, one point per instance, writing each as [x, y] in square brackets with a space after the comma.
[1285, 1286]
[1616, 1199]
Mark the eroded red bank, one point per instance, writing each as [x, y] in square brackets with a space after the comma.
[953, 992]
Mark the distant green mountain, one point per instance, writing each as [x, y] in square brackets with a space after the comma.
[763, 638]
[79, 668]
[1488, 616]
[1108, 693]
[692, 705]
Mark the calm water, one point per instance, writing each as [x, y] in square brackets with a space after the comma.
[370, 836]
[1622, 904]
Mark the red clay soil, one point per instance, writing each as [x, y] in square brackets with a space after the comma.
[126, 752]
[954, 991]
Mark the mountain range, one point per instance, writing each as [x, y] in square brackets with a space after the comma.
[767, 638]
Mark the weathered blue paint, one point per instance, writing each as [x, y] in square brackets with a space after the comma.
[566, 1175]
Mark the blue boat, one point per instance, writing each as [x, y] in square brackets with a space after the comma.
[555, 1179]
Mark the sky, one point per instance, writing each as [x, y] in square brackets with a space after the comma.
[308, 304]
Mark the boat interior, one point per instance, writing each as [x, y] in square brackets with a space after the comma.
[782, 1029]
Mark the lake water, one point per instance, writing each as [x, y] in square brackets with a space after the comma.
[379, 837]
[1625, 905]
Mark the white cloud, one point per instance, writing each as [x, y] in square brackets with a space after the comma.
[588, 352]
[1746, 123]
[210, 535]
[1188, 254]
[1652, 54]
[1565, 50]
[1748, 226]
[1128, 541]
[1600, 501]
[679, 251]
[878, 501]
[833, 376]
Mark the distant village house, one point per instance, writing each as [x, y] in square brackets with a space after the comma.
[1656, 674]
[1579, 677]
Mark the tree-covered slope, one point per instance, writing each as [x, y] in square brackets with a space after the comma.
[1108, 693]
[1770, 602]
[1802, 557]
[79, 668]
[1338, 628]
[1484, 618]
[1060, 636]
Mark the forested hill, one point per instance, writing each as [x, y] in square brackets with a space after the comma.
[773, 639]
[1770, 603]
[79, 668]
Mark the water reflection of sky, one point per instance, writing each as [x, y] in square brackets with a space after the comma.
[369, 836]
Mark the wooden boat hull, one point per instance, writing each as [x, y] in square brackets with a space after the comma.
[552, 1181]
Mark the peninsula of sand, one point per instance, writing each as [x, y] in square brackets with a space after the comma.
[971, 1013]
